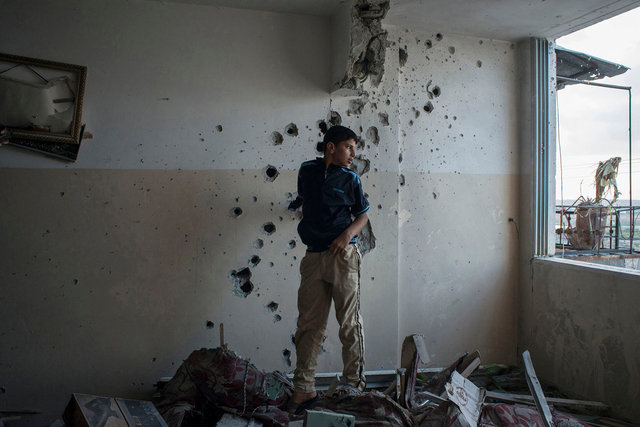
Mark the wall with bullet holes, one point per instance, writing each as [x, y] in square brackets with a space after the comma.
[174, 219]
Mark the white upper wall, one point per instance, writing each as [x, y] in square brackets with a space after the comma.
[163, 76]
[470, 86]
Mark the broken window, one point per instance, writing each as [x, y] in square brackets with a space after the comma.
[596, 210]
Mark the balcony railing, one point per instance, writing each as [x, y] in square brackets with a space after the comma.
[592, 228]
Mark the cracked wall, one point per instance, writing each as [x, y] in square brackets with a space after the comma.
[458, 168]
[175, 218]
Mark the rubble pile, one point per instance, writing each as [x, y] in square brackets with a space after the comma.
[217, 386]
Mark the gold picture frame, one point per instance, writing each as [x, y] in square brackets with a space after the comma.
[41, 104]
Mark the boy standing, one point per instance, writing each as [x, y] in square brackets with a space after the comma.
[331, 195]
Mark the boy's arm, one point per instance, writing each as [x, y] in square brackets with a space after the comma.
[341, 242]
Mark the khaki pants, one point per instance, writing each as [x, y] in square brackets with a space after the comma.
[325, 278]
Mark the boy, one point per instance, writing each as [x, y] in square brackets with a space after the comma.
[331, 195]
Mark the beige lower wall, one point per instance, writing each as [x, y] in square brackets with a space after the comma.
[580, 324]
[458, 270]
[109, 278]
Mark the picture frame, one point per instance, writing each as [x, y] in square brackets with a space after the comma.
[41, 104]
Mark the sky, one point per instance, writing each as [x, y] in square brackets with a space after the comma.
[593, 122]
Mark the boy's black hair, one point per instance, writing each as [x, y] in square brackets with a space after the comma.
[335, 134]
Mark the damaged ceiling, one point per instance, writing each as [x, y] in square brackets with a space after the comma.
[495, 19]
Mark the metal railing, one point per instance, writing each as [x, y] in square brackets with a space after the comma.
[592, 227]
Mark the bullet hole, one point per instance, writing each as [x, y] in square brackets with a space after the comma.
[254, 260]
[277, 318]
[276, 138]
[292, 244]
[452, 50]
[402, 180]
[268, 228]
[335, 118]
[402, 57]
[219, 128]
[372, 135]
[236, 212]
[291, 129]
[209, 324]
[356, 106]
[410, 122]
[428, 44]
[242, 285]
[360, 144]
[286, 354]
[270, 173]
[436, 91]
[366, 239]
[360, 165]
[255, 199]
[293, 339]
[62, 194]
[428, 107]
[75, 281]
[435, 196]
[258, 243]
[272, 306]
[479, 64]
[400, 157]
[153, 359]
[384, 119]
[417, 113]
[439, 36]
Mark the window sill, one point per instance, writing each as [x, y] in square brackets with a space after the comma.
[585, 266]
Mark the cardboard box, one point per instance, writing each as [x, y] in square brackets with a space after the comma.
[85, 410]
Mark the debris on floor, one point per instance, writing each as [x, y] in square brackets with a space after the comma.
[85, 410]
[328, 419]
[217, 386]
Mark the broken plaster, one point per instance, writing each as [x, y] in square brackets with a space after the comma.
[366, 239]
[368, 43]
[360, 165]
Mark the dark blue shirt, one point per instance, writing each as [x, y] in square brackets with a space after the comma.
[330, 197]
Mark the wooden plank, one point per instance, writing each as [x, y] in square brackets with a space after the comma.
[421, 348]
[433, 397]
[470, 367]
[536, 390]
[527, 398]
[402, 386]
[469, 364]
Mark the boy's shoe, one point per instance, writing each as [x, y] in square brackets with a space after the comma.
[294, 408]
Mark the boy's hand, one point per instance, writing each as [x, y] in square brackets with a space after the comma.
[340, 243]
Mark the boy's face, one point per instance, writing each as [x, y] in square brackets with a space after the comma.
[342, 153]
